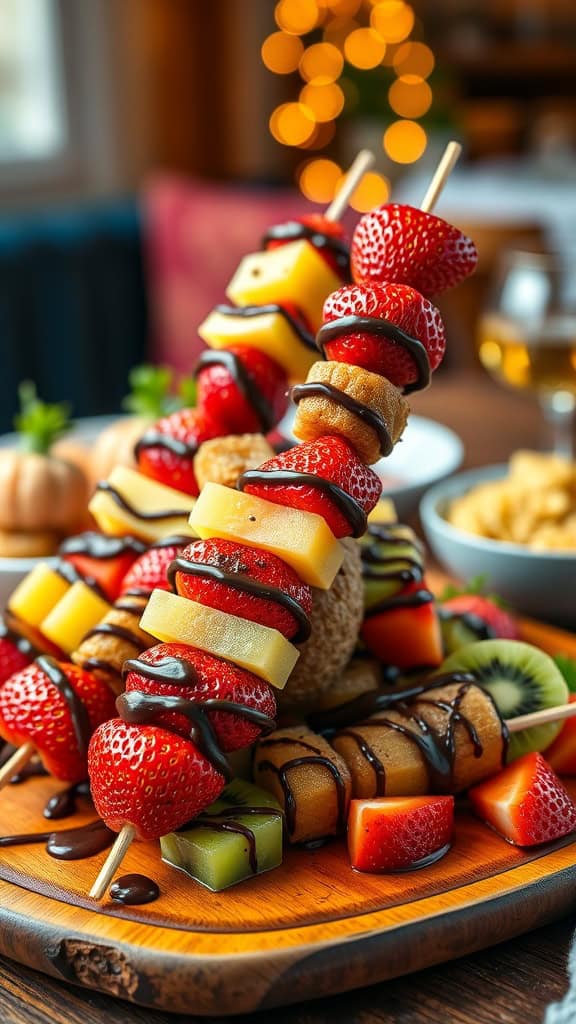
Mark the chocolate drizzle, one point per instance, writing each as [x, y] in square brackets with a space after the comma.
[68, 844]
[134, 890]
[372, 418]
[121, 632]
[247, 312]
[156, 439]
[68, 571]
[100, 545]
[314, 757]
[345, 503]
[401, 567]
[380, 329]
[21, 642]
[245, 585]
[388, 604]
[218, 823]
[64, 803]
[76, 706]
[120, 500]
[293, 230]
[244, 382]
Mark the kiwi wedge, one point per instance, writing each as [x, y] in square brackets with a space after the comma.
[461, 628]
[520, 679]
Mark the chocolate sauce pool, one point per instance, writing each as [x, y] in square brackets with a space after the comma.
[134, 890]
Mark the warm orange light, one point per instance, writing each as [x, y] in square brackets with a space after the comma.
[364, 48]
[414, 59]
[318, 180]
[341, 8]
[325, 101]
[292, 124]
[321, 63]
[410, 96]
[296, 16]
[405, 141]
[281, 52]
[321, 137]
[393, 20]
[372, 191]
[337, 31]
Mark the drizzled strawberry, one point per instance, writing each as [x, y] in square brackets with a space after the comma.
[242, 389]
[149, 572]
[166, 451]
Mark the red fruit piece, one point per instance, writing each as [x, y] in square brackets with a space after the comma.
[561, 754]
[57, 713]
[251, 569]
[148, 572]
[242, 389]
[408, 246]
[327, 236]
[147, 777]
[11, 658]
[403, 308]
[405, 630]
[166, 451]
[526, 803]
[499, 621]
[215, 679]
[333, 462]
[103, 559]
[399, 833]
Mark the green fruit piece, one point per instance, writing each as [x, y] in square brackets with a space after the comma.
[460, 630]
[391, 557]
[521, 679]
[212, 853]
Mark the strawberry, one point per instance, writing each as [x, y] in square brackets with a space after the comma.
[499, 622]
[561, 755]
[33, 709]
[526, 803]
[404, 245]
[103, 559]
[399, 306]
[148, 777]
[12, 659]
[404, 630]
[327, 236]
[399, 833]
[166, 451]
[148, 572]
[242, 389]
[332, 460]
[215, 679]
[245, 564]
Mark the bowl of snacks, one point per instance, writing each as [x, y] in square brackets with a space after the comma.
[515, 525]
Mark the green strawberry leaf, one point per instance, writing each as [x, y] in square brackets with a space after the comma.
[475, 587]
[38, 423]
[567, 667]
[188, 392]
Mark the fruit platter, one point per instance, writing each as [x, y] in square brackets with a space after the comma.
[251, 753]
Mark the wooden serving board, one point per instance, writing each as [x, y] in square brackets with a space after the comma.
[311, 928]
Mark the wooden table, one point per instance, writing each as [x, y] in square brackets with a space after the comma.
[510, 983]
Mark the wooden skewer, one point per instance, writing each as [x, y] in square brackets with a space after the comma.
[440, 176]
[14, 764]
[112, 862]
[358, 169]
[557, 714]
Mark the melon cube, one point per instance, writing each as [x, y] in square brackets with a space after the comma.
[271, 333]
[37, 593]
[383, 512]
[302, 539]
[130, 502]
[76, 614]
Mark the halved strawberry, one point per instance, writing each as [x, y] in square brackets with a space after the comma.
[148, 777]
[148, 572]
[242, 389]
[102, 558]
[526, 803]
[499, 621]
[393, 306]
[249, 571]
[57, 719]
[561, 754]
[333, 462]
[399, 833]
[404, 630]
[12, 659]
[166, 451]
[215, 679]
[406, 245]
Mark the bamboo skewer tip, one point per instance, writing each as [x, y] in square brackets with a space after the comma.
[16, 762]
[358, 168]
[113, 861]
[441, 175]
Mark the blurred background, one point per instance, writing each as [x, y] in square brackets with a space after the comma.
[146, 145]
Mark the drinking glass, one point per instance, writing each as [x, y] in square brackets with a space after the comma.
[527, 335]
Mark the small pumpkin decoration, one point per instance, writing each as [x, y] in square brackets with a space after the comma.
[150, 398]
[40, 491]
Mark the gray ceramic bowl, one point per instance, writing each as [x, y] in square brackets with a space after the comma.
[540, 584]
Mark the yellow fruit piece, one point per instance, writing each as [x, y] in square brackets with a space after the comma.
[261, 650]
[130, 497]
[302, 539]
[383, 512]
[37, 593]
[271, 333]
[75, 615]
[294, 273]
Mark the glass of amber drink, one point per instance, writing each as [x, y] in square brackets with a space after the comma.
[527, 335]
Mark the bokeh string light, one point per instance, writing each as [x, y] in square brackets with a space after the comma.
[329, 44]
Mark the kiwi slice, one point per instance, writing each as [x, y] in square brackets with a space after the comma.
[391, 558]
[521, 679]
[461, 628]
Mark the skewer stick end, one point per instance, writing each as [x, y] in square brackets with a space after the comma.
[113, 861]
[16, 762]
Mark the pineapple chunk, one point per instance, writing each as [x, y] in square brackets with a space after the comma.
[261, 650]
[75, 615]
[144, 497]
[383, 512]
[269, 332]
[302, 539]
[37, 594]
[294, 273]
